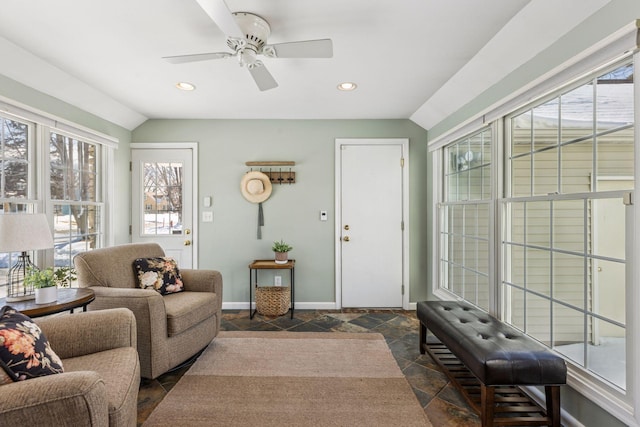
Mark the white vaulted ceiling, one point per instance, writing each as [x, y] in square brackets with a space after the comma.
[410, 59]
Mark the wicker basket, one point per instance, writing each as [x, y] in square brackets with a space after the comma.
[272, 300]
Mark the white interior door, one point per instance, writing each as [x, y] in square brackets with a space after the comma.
[371, 225]
[163, 200]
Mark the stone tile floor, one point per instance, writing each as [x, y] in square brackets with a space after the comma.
[440, 400]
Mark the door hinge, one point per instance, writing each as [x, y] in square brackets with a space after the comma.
[627, 199]
[401, 162]
[130, 230]
[402, 289]
[130, 166]
[402, 225]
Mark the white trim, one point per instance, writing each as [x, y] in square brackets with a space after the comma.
[337, 222]
[244, 305]
[588, 386]
[193, 146]
[404, 143]
[457, 132]
[16, 109]
[610, 50]
[109, 192]
[633, 294]
[436, 180]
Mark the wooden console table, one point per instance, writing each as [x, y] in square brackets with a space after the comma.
[68, 299]
[269, 264]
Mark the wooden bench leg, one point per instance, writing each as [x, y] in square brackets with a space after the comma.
[552, 394]
[487, 405]
[423, 337]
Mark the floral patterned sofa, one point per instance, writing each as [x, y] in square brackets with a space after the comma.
[172, 327]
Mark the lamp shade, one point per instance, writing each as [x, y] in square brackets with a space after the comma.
[24, 232]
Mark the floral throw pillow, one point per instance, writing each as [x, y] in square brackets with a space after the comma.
[24, 350]
[159, 273]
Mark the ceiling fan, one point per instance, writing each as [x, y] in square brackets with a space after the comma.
[247, 36]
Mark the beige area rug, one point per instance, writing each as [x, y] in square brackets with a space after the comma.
[292, 379]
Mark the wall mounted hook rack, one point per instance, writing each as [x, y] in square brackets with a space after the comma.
[276, 170]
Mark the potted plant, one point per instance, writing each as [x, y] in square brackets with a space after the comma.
[44, 283]
[281, 250]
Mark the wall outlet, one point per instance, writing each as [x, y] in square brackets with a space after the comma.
[277, 280]
[207, 216]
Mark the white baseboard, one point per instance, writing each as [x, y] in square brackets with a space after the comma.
[244, 305]
[299, 305]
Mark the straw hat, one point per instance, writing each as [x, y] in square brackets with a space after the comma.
[255, 187]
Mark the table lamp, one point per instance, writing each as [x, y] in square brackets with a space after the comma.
[22, 233]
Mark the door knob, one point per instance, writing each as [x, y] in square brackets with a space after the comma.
[187, 231]
[345, 238]
[187, 242]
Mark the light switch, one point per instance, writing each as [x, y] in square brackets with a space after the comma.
[207, 216]
[323, 215]
[207, 202]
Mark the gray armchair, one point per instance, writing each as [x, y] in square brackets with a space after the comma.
[99, 386]
[171, 328]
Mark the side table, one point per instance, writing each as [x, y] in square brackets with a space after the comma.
[68, 299]
[269, 264]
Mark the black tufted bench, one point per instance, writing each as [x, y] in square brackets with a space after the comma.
[496, 354]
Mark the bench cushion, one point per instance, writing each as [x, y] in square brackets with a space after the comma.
[496, 353]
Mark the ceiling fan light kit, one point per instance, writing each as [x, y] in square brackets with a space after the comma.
[247, 35]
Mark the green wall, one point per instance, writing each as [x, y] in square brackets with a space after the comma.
[229, 243]
[615, 15]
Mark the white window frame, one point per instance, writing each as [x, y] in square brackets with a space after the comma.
[441, 292]
[623, 44]
[41, 124]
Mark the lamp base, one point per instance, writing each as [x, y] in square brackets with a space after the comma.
[18, 291]
[20, 298]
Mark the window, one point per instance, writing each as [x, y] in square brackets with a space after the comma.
[571, 164]
[162, 198]
[14, 152]
[74, 189]
[556, 178]
[16, 186]
[54, 167]
[465, 215]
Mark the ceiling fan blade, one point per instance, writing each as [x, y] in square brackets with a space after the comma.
[262, 77]
[221, 15]
[181, 59]
[304, 49]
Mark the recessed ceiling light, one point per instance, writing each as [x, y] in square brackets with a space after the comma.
[185, 86]
[347, 86]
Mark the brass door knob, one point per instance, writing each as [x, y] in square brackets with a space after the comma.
[187, 242]
[345, 238]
